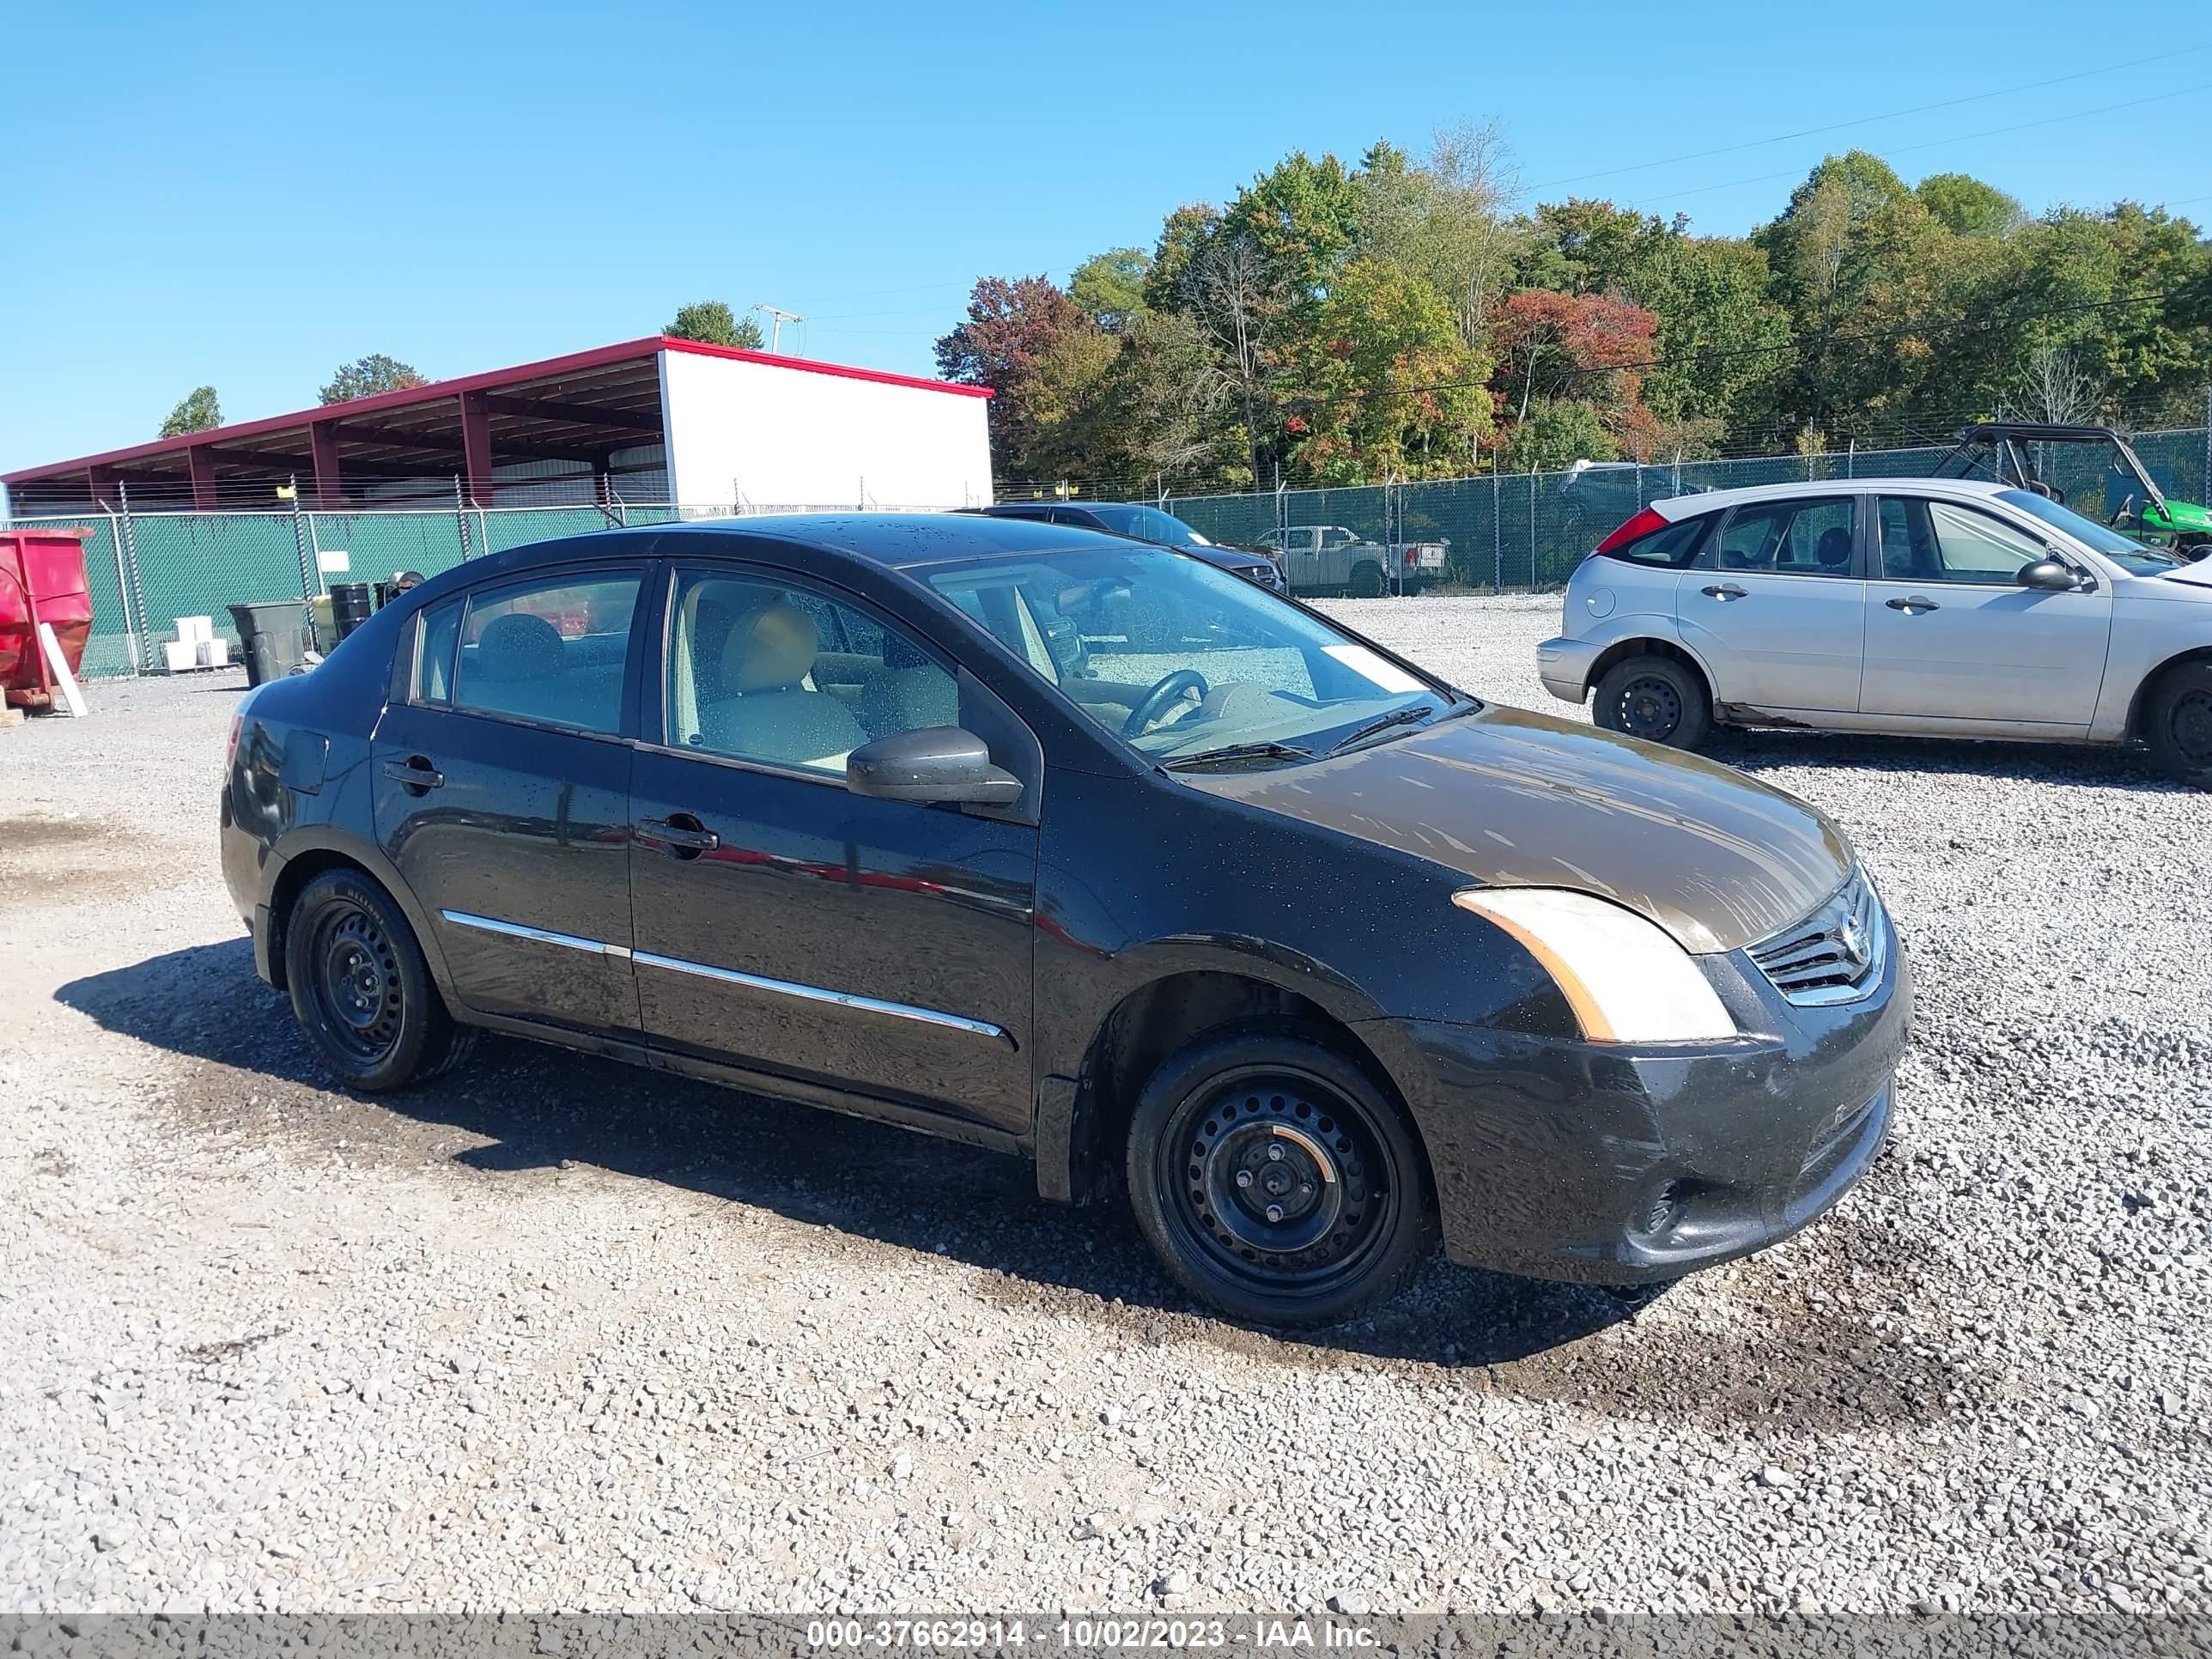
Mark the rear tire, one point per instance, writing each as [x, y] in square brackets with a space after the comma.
[1367, 580]
[1276, 1180]
[360, 988]
[1655, 698]
[2177, 724]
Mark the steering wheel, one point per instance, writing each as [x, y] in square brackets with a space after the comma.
[1165, 692]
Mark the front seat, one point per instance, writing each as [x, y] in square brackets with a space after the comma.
[912, 693]
[768, 713]
[1833, 551]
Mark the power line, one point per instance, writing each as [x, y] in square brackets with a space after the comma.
[1935, 143]
[1867, 120]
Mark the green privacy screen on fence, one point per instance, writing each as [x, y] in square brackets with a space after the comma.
[1524, 531]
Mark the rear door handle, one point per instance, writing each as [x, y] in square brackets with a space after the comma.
[1724, 590]
[680, 836]
[1912, 603]
[415, 774]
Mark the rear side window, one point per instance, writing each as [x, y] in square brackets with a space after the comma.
[1672, 548]
[1791, 538]
[550, 651]
[438, 631]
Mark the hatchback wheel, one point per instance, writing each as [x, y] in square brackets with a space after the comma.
[1655, 698]
[360, 988]
[1275, 1180]
[2177, 724]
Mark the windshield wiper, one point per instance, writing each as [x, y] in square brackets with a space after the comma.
[1382, 723]
[1231, 754]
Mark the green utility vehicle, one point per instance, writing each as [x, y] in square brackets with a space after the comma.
[2007, 452]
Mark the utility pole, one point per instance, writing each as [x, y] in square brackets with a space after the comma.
[775, 335]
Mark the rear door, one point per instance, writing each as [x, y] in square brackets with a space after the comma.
[1951, 635]
[789, 927]
[1775, 606]
[502, 791]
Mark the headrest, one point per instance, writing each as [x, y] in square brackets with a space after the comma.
[771, 644]
[1834, 550]
[519, 646]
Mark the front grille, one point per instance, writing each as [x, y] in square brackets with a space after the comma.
[1835, 955]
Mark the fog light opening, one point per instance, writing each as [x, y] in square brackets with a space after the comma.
[1663, 1213]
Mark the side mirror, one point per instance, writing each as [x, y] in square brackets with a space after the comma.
[935, 763]
[2048, 574]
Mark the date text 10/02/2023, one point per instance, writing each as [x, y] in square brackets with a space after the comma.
[1086, 1634]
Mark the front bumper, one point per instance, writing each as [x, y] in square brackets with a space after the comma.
[1607, 1164]
[1564, 665]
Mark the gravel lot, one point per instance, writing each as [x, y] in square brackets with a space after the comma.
[555, 1334]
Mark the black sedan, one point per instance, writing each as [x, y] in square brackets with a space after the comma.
[1143, 523]
[1320, 956]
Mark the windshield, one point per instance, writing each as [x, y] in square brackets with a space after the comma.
[2131, 555]
[1146, 524]
[1181, 660]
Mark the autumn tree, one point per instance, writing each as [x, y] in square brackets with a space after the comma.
[1033, 345]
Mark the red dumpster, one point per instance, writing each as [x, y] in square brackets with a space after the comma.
[41, 577]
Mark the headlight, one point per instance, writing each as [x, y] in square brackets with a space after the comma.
[1626, 978]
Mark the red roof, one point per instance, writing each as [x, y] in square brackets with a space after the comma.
[438, 391]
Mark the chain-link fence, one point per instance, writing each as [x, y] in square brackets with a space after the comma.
[1523, 531]
[1530, 530]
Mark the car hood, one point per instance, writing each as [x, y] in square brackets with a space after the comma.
[1519, 799]
[2195, 580]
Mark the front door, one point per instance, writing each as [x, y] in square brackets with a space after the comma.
[1951, 635]
[789, 927]
[501, 789]
[1776, 607]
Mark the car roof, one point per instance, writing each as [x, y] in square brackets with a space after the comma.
[1677, 507]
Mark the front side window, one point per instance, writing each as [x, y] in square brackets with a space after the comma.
[1791, 538]
[1932, 541]
[788, 676]
[553, 650]
[1183, 659]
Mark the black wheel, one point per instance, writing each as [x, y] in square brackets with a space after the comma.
[360, 989]
[2177, 724]
[1655, 698]
[1275, 1181]
[1367, 580]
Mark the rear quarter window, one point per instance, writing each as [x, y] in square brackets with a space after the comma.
[1671, 549]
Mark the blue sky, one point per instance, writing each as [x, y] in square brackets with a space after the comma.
[249, 195]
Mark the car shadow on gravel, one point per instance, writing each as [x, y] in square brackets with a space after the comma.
[521, 1107]
[2098, 765]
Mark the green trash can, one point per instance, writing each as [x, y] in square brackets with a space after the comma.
[271, 637]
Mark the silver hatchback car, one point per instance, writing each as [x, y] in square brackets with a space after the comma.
[1939, 607]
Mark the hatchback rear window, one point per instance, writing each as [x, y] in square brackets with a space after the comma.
[1671, 548]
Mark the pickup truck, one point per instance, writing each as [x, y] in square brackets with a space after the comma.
[1327, 558]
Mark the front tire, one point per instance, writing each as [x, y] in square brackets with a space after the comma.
[360, 989]
[2177, 724]
[1655, 698]
[1275, 1181]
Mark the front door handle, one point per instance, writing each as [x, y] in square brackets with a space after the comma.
[1723, 590]
[415, 775]
[680, 836]
[1911, 604]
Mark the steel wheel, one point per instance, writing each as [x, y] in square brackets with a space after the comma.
[1271, 1178]
[353, 976]
[1651, 709]
[2189, 722]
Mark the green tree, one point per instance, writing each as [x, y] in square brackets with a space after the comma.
[197, 412]
[1557, 434]
[1110, 287]
[1443, 219]
[365, 378]
[1966, 206]
[711, 322]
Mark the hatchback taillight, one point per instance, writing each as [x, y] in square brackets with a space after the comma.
[1635, 530]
